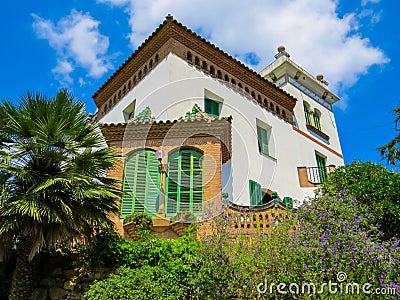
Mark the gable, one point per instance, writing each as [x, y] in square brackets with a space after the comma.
[173, 37]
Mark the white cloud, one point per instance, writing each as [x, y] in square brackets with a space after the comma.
[116, 2]
[365, 2]
[78, 43]
[63, 71]
[81, 81]
[313, 33]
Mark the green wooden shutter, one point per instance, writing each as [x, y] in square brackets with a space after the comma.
[307, 114]
[185, 182]
[141, 183]
[211, 107]
[262, 136]
[255, 193]
[185, 188]
[172, 188]
[321, 164]
[317, 121]
[152, 184]
[215, 108]
[197, 182]
[207, 106]
[140, 186]
[129, 177]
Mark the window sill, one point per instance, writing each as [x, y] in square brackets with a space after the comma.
[317, 132]
[268, 156]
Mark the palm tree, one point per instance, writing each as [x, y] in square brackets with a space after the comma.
[55, 192]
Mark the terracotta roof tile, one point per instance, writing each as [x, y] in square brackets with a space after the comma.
[170, 20]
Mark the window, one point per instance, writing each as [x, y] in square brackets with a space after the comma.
[255, 193]
[212, 104]
[263, 138]
[129, 111]
[317, 119]
[141, 183]
[184, 191]
[211, 107]
[321, 165]
[307, 113]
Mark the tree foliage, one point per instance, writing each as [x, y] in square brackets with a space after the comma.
[374, 187]
[149, 268]
[52, 178]
[322, 238]
[391, 151]
[144, 283]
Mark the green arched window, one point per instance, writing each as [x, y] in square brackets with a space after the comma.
[307, 112]
[141, 183]
[317, 119]
[184, 191]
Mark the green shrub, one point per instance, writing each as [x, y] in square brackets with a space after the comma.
[141, 283]
[374, 187]
[323, 237]
[151, 251]
[184, 216]
[139, 219]
[153, 268]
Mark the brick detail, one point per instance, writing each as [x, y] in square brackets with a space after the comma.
[117, 173]
[210, 147]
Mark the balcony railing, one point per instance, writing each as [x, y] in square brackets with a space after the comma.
[246, 220]
[317, 175]
[314, 176]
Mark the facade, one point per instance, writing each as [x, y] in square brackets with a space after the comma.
[226, 133]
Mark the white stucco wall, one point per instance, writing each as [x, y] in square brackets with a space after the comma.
[174, 86]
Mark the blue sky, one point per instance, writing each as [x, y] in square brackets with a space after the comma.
[47, 45]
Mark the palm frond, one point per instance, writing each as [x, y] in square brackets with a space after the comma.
[55, 165]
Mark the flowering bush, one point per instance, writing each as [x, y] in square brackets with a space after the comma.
[373, 186]
[322, 238]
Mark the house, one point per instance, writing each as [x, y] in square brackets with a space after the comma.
[198, 128]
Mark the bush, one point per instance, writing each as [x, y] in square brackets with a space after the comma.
[150, 251]
[374, 187]
[184, 216]
[141, 283]
[139, 219]
[322, 238]
[145, 262]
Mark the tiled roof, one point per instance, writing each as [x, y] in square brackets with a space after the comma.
[204, 119]
[196, 114]
[124, 134]
[169, 23]
[143, 117]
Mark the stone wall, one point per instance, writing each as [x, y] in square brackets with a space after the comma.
[66, 277]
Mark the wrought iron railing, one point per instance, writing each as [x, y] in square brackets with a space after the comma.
[317, 175]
